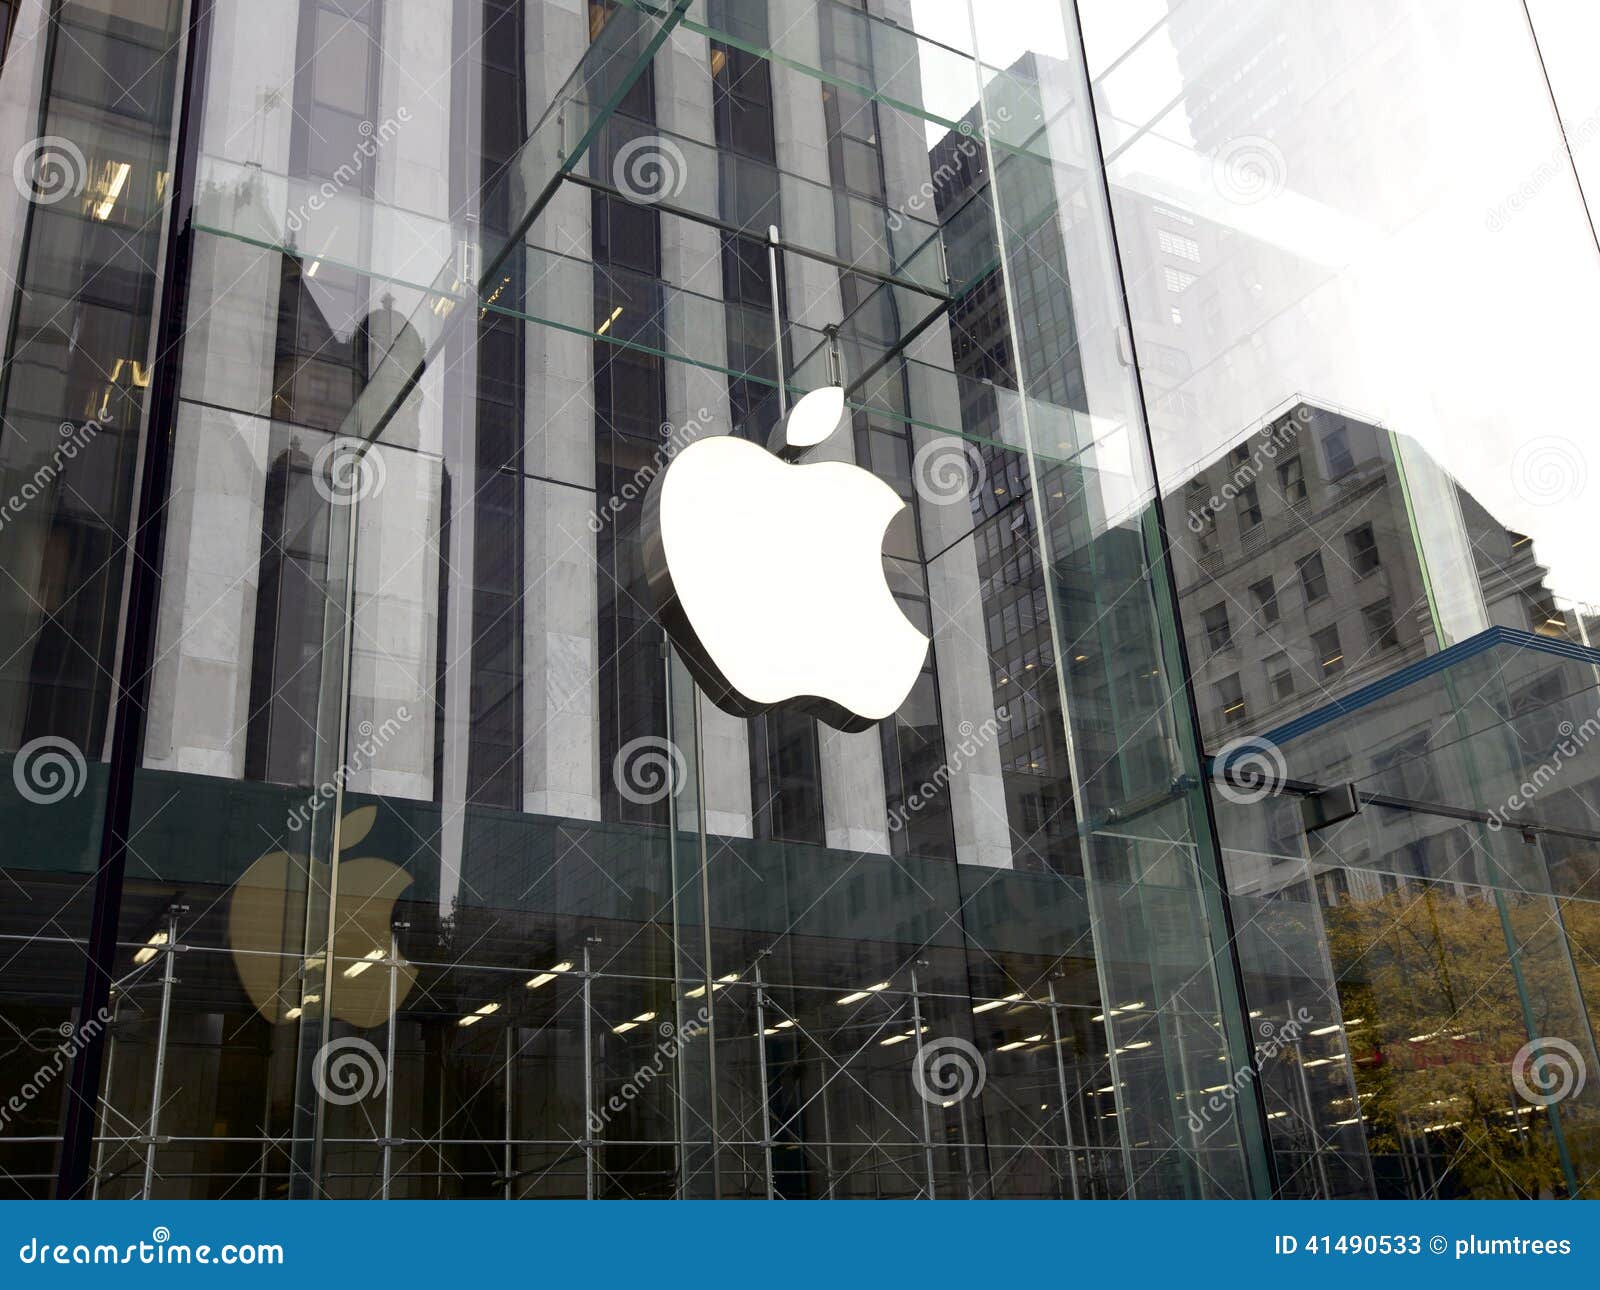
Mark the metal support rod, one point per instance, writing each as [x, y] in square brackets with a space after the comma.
[927, 1124]
[511, 1089]
[777, 316]
[388, 1083]
[588, 1079]
[766, 1096]
[104, 1118]
[167, 979]
[1061, 1086]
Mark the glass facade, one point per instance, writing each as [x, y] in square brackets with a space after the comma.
[366, 831]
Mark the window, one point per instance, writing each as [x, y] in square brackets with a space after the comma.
[1280, 675]
[1249, 507]
[1265, 597]
[1239, 454]
[1177, 280]
[1208, 532]
[1292, 480]
[1218, 634]
[1379, 618]
[1185, 248]
[1230, 699]
[1336, 452]
[1313, 578]
[1363, 549]
[1327, 651]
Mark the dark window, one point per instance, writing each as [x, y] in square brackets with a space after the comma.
[1313, 579]
[7, 13]
[1336, 451]
[1265, 596]
[1280, 675]
[1328, 653]
[1363, 549]
[1292, 480]
[1249, 507]
[1379, 618]
[1218, 634]
[1230, 699]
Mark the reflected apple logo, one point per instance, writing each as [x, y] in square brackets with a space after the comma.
[768, 575]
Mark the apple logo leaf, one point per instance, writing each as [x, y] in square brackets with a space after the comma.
[355, 826]
[811, 421]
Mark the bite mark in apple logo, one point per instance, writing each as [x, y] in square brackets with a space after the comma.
[768, 575]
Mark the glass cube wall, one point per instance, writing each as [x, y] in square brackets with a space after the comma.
[366, 834]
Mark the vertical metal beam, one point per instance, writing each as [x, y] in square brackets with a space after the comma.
[927, 1124]
[146, 540]
[163, 1028]
[388, 1057]
[511, 1089]
[766, 1097]
[1061, 1086]
[777, 316]
[588, 1078]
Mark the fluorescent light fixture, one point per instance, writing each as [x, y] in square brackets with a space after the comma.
[292, 1014]
[645, 1016]
[1325, 1030]
[862, 994]
[624, 1028]
[149, 950]
[361, 965]
[544, 978]
[1015, 1043]
[606, 325]
[996, 1003]
[1137, 1003]
[474, 1018]
[1135, 1046]
[895, 1039]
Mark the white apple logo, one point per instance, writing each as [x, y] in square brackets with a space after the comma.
[769, 576]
